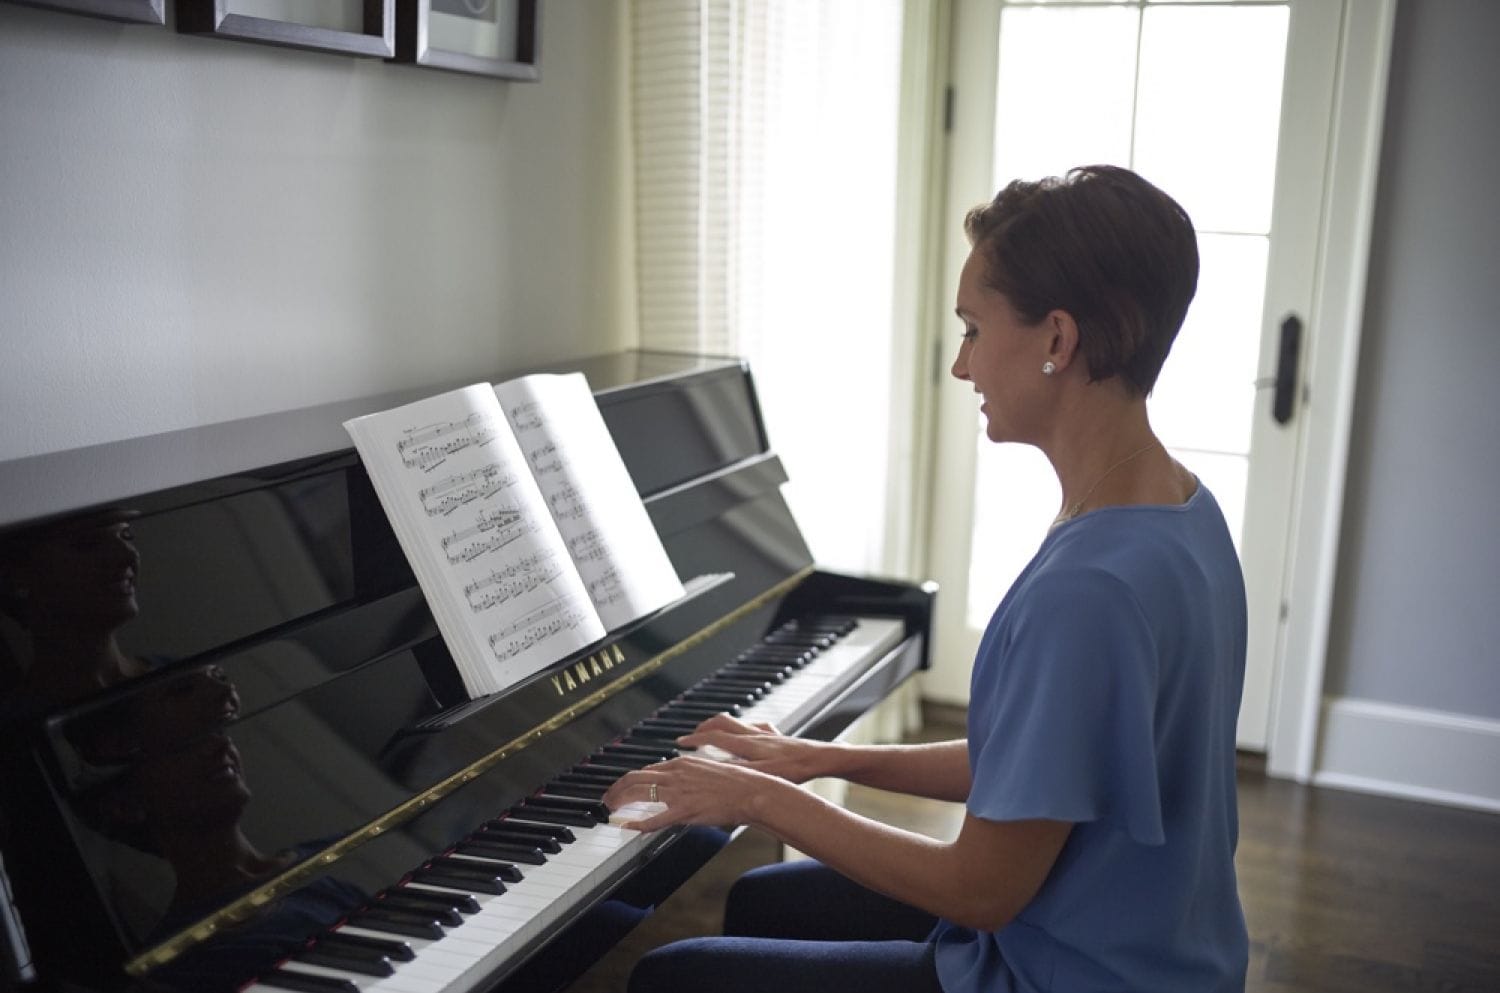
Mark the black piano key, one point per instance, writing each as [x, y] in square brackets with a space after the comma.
[363, 962]
[831, 623]
[527, 854]
[396, 922]
[722, 698]
[388, 947]
[795, 658]
[461, 902]
[755, 687]
[790, 654]
[557, 833]
[667, 724]
[552, 815]
[790, 661]
[490, 867]
[668, 749]
[593, 808]
[621, 762]
[448, 916]
[658, 752]
[703, 692]
[752, 692]
[548, 846]
[703, 712]
[585, 791]
[637, 753]
[791, 640]
[769, 673]
[802, 639]
[583, 775]
[792, 664]
[285, 979]
[645, 732]
[458, 879]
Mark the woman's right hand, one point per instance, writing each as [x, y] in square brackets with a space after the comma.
[761, 747]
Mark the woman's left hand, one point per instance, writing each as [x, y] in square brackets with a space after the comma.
[695, 791]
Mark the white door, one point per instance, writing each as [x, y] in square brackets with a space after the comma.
[1226, 106]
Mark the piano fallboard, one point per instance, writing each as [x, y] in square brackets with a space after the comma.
[295, 742]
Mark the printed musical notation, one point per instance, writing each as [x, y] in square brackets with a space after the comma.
[427, 447]
[519, 517]
[588, 547]
[536, 626]
[447, 495]
[489, 533]
[606, 588]
[520, 577]
[526, 416]
[545, 460]
[566, 503]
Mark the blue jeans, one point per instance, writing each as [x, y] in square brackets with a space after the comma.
[795, 927]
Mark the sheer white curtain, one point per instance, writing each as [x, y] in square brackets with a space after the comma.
[765, 163]
[765, 169]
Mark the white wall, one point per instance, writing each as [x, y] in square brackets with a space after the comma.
[194, 230]
[1414, 643]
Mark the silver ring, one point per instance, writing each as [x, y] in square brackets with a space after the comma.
[651, 793]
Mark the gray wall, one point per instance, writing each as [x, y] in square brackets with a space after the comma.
[194, 229]
[1416, 617]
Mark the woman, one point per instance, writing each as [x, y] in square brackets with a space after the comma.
[1096, 852]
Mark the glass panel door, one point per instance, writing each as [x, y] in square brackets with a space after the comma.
[1190, 95]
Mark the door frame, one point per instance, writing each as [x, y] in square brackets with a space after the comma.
[1332, 368]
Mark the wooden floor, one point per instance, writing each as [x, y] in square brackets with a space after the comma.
[1342, 891]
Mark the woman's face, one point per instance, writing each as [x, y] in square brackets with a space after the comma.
[85, 578]
[1001, 356]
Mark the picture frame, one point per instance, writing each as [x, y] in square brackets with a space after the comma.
[497, 38]
[134, 11]
[369, 32]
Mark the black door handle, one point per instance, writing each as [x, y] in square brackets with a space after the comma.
[1286, 368]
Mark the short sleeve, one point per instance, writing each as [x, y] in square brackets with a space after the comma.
[1062, 704]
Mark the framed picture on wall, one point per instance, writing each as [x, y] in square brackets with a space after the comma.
[140, 11]
[498, 38]
[364, 28]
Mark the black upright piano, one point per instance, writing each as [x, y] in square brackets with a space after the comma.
[237, 755]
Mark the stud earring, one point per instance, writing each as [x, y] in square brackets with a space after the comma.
[1048, 368]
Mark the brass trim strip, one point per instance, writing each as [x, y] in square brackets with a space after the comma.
[248, 905]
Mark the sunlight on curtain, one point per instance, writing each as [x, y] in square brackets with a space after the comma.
[765, 161]
[765, 152]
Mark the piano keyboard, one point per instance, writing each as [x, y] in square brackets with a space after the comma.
[461, 918]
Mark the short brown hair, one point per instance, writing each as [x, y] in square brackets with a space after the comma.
[1106, 246]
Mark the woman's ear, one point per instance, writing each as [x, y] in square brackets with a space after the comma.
[1062, 333]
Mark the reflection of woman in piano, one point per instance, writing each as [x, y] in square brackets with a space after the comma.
[181, 793]
[71, 588]
[1097, 848]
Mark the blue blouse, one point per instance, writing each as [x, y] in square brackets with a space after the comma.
[1105, 693]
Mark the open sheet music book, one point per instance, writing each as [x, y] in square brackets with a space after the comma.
[520, 520]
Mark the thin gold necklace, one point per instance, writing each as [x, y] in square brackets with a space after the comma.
[1077, 505]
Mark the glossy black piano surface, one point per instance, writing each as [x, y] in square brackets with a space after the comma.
[284, 738]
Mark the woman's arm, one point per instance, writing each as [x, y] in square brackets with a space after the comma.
[938, 771]
[980, 879]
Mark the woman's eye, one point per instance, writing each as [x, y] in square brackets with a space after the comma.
[970, 333]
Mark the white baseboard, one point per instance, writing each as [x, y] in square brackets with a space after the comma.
[1408, 752]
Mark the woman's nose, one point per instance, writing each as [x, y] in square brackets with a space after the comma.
[122, 547]
[960, 368]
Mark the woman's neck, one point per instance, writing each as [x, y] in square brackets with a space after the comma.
[1105, 454]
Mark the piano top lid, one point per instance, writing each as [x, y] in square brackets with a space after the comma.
[39, 487]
